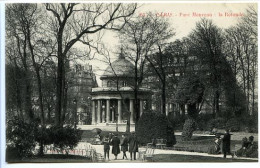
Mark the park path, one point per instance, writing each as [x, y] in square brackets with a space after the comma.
[99, 149]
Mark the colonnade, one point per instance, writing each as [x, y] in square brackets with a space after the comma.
[101, 112]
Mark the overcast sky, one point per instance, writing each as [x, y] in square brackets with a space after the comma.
[182, 20]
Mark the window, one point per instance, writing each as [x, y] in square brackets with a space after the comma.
[109, 83]
[124, 84]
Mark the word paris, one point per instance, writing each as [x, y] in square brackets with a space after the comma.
[194, 14]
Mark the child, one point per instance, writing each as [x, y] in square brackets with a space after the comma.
[217, 142]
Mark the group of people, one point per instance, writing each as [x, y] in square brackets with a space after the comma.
[127, 144]
[225, 143]
[248, 149]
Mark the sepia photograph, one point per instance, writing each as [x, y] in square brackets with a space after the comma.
[131, 82]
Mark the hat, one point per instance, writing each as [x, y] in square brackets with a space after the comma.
[251, 138]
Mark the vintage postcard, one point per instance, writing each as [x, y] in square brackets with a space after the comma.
[114, 82]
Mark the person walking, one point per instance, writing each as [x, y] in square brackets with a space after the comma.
[226, 143]
[115, 146]
[133, 145]
[124, 146]
[106, 143]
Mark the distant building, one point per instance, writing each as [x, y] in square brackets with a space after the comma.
[81, 80]
[112, 102]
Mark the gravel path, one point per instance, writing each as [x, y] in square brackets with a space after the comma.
[99, 149]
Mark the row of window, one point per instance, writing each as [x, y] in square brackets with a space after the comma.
[121, 83]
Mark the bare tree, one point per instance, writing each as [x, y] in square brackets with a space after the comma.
[207, 41]
[140, 36]
[72, 23]
[17, 33]
[242, 55]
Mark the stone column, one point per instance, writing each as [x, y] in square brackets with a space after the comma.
[93, 113]
[119, 106]
[103, 113]
[131, 111]
[113, 115]
[98, 112]
[141, 107]
[108, 111]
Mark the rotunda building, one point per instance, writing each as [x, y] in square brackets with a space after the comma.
[114, 101]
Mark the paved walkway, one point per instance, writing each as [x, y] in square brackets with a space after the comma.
[99, 149]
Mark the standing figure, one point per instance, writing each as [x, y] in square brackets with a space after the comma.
[133, 145]
[226, 143]
[124, 146]
[115, 146]
[106, 143]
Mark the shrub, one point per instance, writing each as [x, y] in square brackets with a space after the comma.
[21, 136]
[150, 126]
[249, 123]
[176, 121]
[64, 137]
[233, 124]
[171, 139]
[188, 128]
[203, 120]
[218, 123]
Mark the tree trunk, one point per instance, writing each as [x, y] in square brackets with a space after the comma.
[217, 103]
[28, 101]
[163, 98]
[65, 98]
[59, 91]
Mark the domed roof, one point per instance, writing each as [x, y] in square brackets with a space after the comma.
[120, 68]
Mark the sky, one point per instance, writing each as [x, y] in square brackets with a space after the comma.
[182, 17]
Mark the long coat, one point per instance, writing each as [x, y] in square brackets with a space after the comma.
[226, 143]
[115, 145]
[133, 144]
[124, 145]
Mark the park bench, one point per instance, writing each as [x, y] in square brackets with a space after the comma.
[148, 154]
[160, 143]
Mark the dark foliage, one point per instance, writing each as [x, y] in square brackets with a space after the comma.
[219, 123]
[190, 90]
[202, 122]
[151, 125]
[171, 139]
[66, 137]
[233, 124]
[21, 136]
[176, 121]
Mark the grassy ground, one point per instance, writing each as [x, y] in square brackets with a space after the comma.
[52, 158]
[189, 158]
[88, 135]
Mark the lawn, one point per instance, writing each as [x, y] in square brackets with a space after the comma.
[192, 158]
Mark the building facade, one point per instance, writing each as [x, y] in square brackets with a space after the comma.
[81, 81]
[113, 102]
